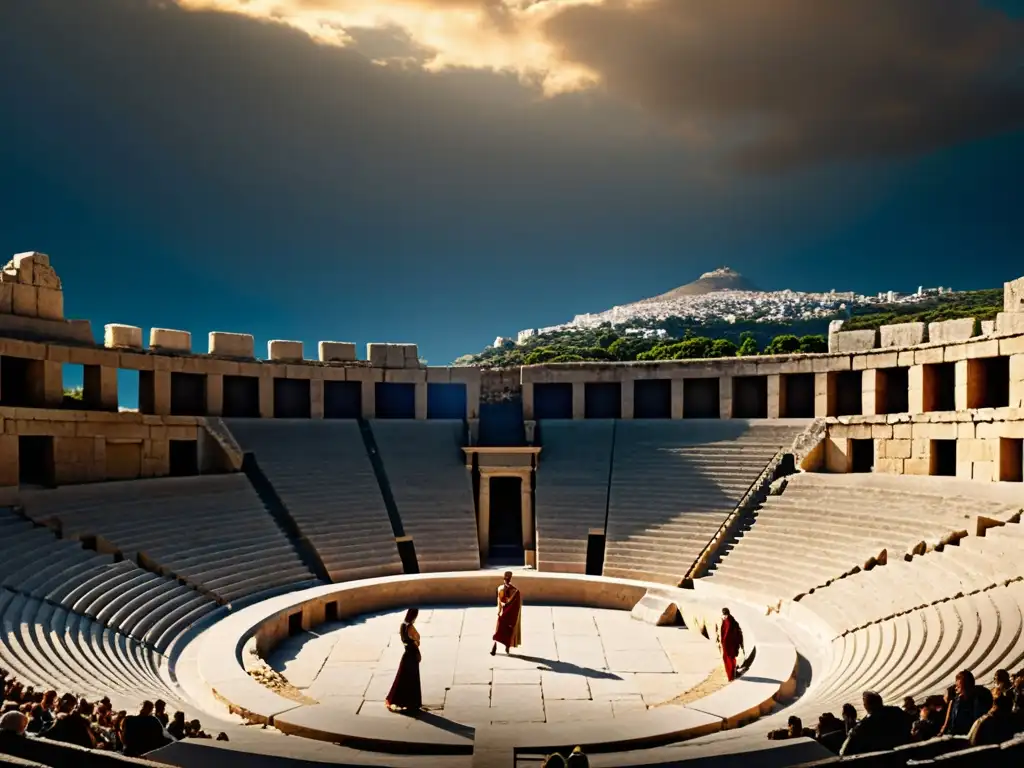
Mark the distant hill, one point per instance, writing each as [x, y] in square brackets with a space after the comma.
[721, 279]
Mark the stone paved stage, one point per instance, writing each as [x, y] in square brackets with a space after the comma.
[575, 664]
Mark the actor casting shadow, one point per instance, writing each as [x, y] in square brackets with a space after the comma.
[444, 724]
[568, 668]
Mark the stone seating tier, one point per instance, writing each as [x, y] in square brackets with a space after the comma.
[211, 531]
[321, 472]
[432, 489]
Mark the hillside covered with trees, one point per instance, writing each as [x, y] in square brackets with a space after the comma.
[692, 340]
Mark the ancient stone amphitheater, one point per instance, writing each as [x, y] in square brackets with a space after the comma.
[859, 511]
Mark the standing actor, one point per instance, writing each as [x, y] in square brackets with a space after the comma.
[509, 631]
[405, 695]
[730, 641]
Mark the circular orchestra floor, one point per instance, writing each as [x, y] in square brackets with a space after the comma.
[575, 664]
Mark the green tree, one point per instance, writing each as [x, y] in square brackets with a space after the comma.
[606, 340]
[568, 358]
[786, 344]
[813, 344]
[541, 355]
[722, 348]
[748, 347]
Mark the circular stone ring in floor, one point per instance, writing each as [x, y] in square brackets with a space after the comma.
[575, 664]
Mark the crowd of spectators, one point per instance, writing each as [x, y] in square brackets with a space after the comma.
[28, 713]
[981, 715]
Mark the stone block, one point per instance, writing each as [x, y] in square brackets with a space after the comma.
[26, 300]
[24, 264]
[898, 449]
[889, 466]
[917, 466]
[395, 356]
[988, 327]
[232, 344]
[337, 351]
[284, 350]
[1013, 295]
[49, 303]
[903, 335]
[935, 431]
[6, 298]
[979, 349]
[170, 340]
[929, 356]
[881, 431]
[122, 336]
[983, 471]
[953, 330]
[377, 354]
[1008, 323]
[902, 431]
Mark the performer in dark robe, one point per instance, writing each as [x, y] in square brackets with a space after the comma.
[405, 695]
[730, 640]
[509, 631]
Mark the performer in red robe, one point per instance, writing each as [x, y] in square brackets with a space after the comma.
[405, 695]
[509, 631]
[730, 640]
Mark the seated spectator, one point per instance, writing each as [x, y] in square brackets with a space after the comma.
[926, 726]
[795, 730]
[195, 730]
[995, 726]
[39, 719]
[830, 732]
[12, 734]
[143, 733]
[177, 726]
[970, 702]
[883, 727]
[1003, 684]
[224, 737]
[849, 717]
[75, 727]
[575, 760]
[160, 712]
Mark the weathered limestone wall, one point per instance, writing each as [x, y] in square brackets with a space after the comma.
[94, 446]
[32, 301]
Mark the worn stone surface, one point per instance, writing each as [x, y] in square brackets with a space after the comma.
[232, 344]
[903, 335]
[284, 350]
[952, 330]
[337, 351]
[852, 341]
[170, 340]
[124, 336]
[1013, 295]
[575, 663]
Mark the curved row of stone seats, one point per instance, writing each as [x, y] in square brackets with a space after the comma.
[47, 646]
[211, 531]
[830, 525]
[432, 489]
[323, 476]
[674, 483]
[120, 595]
[571, 497]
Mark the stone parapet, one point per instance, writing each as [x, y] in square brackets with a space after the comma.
[284, 350]
[337, 352]
[953, 330]
[853, 341]
[1010, 323]
[1013, 295]
[903, 335]
[393, 355]
[170, 340]
[118, 336]
[239, 345]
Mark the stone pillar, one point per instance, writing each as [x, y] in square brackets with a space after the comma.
[626, 408]
[46, 379]
[775, 395]
[8, 460]
[1017, 381]
[266, 396]
[316, 398]
[214, 394]
[579, 400]
[483, 523]
[824, 394]
[527, 512]
[473, 399]
[725, 397]
[420, 400]
[156, 399]
[677, 398]
[368, 398]
[962, 392]
[872, 400]
[99, 387]
[915, 389]
[528, 401]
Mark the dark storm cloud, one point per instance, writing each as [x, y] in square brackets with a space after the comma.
[797, 82]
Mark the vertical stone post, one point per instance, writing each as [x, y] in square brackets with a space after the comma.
[483, 523]
[368, 398]
[420, 394]
[627, 405]
[8, 460]
[870, 380]
[158, 398]
[529, 546]
[215, 394]
[824, 394]
[725, 397]
[676, 404]
[316, 398]
[1017, 381]
[775, 394]
[915, 389]
[962, 392]
[527, 400]
[99, 387]
[579, 400]
[266, 395]
[46, 379]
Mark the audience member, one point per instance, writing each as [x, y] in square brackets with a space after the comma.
[849, 715]
[883, 727]
[970, 702]
[577, 759]
[830, 732]
[996, 725]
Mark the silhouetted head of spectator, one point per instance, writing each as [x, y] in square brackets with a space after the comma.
[85, 708]
[49, 700]
[909, 706]
[179, 717]
[828, 723]
[796, 726]
[1003, 680]
[159, 706]
[1002, 705]
[964, 683]
[67, 704]
[872, 702]
[14, 722]
[146, 709]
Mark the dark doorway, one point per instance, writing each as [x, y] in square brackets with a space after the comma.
[750, 397]
[506, 521]
[700, 399]
[988, 382]
[602, 400]
[1011, 459]
[893, 390]
[940, 387]
[552, 401]
[395, 400]
[184, 455]
[943, 458]
[849, 400]
[797, 395]
[188, 394]
[241, 399]
[15, 386]
[652, 399]
[35, 461]
[331, 612]
[595, 553]
[862, 458]
[292, 399]
[343, 399]
[446, 401]
[295, 624]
